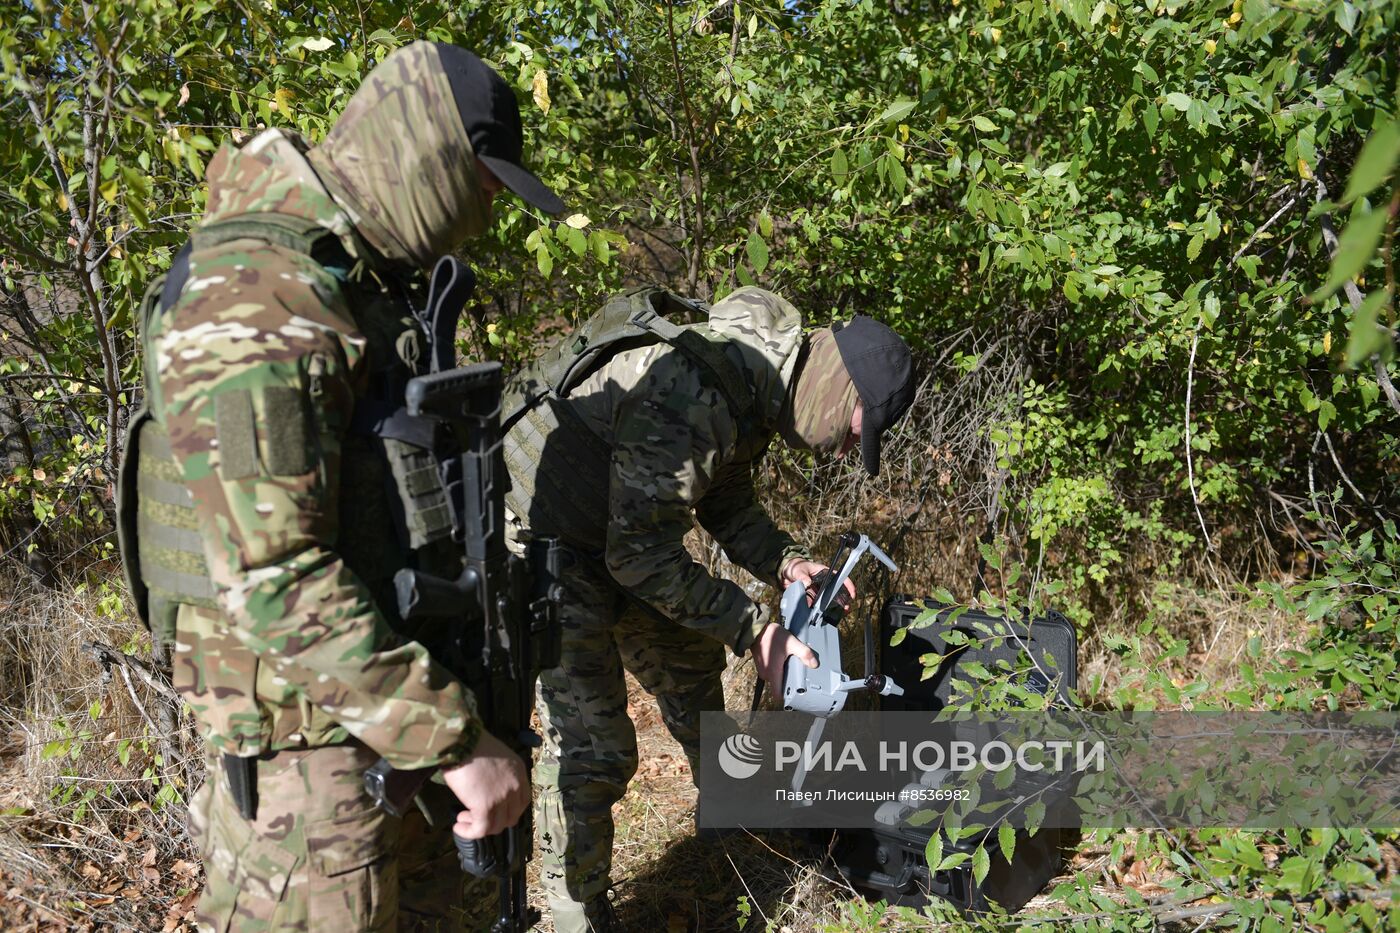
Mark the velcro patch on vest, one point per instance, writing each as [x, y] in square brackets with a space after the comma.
[238, 440]
[288, 453]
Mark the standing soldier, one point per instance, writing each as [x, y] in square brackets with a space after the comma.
[617, 461]
[276, 483]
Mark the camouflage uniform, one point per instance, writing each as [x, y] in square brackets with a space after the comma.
[262, 373]
[672, 450]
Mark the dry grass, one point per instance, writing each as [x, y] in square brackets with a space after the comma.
[122, 864]
[119, 859]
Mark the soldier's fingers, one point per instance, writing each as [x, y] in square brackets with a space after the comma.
[470, 826]
[802, 651]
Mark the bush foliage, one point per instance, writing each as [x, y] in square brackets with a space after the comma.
[1170, 224]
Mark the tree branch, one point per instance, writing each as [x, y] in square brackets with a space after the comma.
[697, 242]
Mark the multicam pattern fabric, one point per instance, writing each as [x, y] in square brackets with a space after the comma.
[256, 373]
[319, 856]
[401, 157]
[675, 453]
[823, 400]
[259, 366]
[590, 745]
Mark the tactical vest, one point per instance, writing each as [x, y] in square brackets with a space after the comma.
[573, 475]
[389, 474]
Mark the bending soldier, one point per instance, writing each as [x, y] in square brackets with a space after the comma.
[279, 483]
[617, 465]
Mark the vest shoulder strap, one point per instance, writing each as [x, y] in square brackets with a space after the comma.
[635, 318]
[297, 234]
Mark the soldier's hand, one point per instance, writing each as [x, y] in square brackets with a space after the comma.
[770, 653]
[810, 572]
[492, 786]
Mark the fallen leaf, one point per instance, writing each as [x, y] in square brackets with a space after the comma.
[150, 857]
[91, 871]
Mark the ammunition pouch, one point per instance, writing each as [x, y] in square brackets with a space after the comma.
[158, 531]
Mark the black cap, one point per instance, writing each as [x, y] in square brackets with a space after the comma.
[491, 117]
[880, 365]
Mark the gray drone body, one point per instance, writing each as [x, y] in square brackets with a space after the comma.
[822, 691]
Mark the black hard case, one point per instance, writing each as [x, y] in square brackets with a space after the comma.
[1049, 641]
[889, 860]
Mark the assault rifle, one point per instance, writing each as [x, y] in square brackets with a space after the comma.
[499, 618]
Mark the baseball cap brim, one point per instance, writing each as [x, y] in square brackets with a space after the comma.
[529, 188]
[870, 435]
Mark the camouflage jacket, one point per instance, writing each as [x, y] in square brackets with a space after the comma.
[676, 453]
[259, 368]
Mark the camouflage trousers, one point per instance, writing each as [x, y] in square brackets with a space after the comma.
[590, 745]
[319, 856]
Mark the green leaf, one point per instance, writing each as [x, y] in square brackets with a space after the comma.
[897, 178]
[897, 111]
[1355, 248]
[933, 852]
[1196, 114]
[981, 863]
[1006, 837]
[1150, 118]
[1193, 248]
[1179, 100]
[1035, 815]
[1326, 413]
[1367, 336]
[765, 225]
[575, 239]
[1377, 160]
[983, 124]
[545, 262]
[1056, 170]
[757, 252]
[839, 166]
[1346, 16]
[601, 248]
